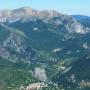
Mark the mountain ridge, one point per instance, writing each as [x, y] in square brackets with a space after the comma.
[48, 46]
[27, 14]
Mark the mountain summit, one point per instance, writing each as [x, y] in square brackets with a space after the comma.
[6, 15]
[52, 17]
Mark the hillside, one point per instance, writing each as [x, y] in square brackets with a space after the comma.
[85, 20]
[43, 46]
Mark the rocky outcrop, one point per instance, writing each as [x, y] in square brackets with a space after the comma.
[40, 73]
[36, 86]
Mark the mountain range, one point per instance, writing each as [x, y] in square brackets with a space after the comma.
[44, 46]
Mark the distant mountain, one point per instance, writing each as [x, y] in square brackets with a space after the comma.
[46, 44]
[52, 17]
[85, 20]
[25, 13]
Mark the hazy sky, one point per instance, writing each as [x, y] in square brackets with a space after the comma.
[81, 7]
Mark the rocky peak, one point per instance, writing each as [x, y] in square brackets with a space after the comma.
[24, 10]
[17, 14]
[48, 16]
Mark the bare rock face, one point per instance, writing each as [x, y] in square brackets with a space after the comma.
[4, 14]
[40, 73]
[47, 16]
[16, 14]
[25, 12]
